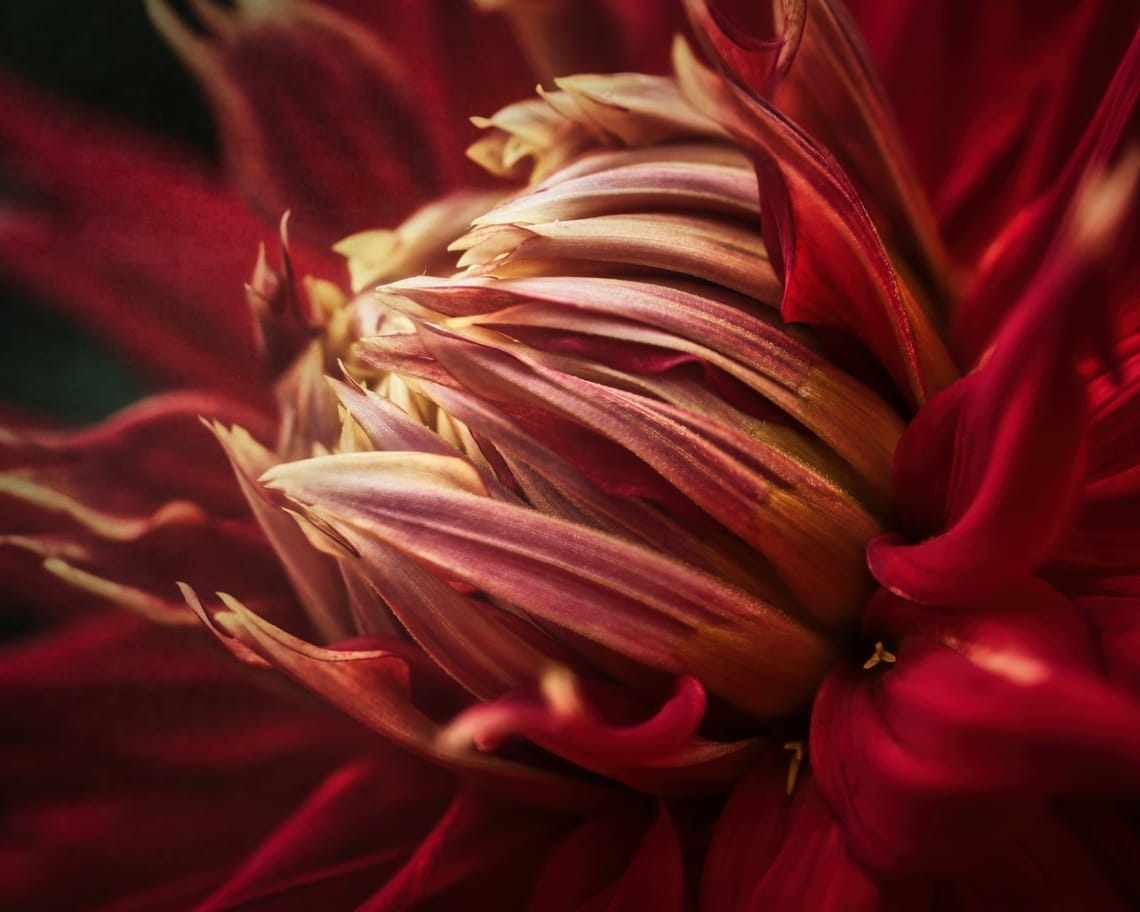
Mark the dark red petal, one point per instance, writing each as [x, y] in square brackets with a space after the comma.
[162, 283]
[142, 761]
[316, 115]
[982, 153]
[479, 855]
[581, 871]
[1017, 253]
[835, 270]
[780, 852]
[933, 760]
[353, 832]
[1054, 867]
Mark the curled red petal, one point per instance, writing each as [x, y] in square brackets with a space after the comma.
[561, 719]
[933, 760]
[1020, 421]
[835, 270]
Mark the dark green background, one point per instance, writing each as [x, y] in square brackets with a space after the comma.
[106, 56]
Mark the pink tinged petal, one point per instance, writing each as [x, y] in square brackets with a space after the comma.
[530, 461]
[486, 649]
[819, 74]
[1014, 257]
[775, 851]
[728, 333]
[654, 610]
[836, 273]
[1020, 427]
[728, 190]
[314, 576]
[984, 717]
[161, 284]
[376, 687]
[718, 251]
[315, 115]
[792, 515]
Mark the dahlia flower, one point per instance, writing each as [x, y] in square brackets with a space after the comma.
[727, 501]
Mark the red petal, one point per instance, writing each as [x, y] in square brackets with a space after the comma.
[141, 761]
[1017, 253]
[819, 74]
[934, 760]
[983, 154]
[836, 273]
[161, 283]
[316, 115]
[353, 832]
[775, 851]
[1020, 420]
[1052, 867]
[479, 855]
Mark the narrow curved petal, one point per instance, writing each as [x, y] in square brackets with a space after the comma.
[645, 606]
[1021, 422]
[836, 272]
[820, 75]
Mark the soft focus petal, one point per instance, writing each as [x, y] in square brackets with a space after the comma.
[179, 761]
[314, 112]
[163, 284]
[983, 153]
[934, 760]
[780, 852]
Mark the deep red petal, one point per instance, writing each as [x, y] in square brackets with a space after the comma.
[932, 761]
[772, 851]
[836, 272]
[353, 832]
[162, 283]
[142, 759]
[981, 153]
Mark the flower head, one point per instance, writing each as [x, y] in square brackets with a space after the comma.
[711, 493]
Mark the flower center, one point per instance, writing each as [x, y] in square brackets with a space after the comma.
[597, 438]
